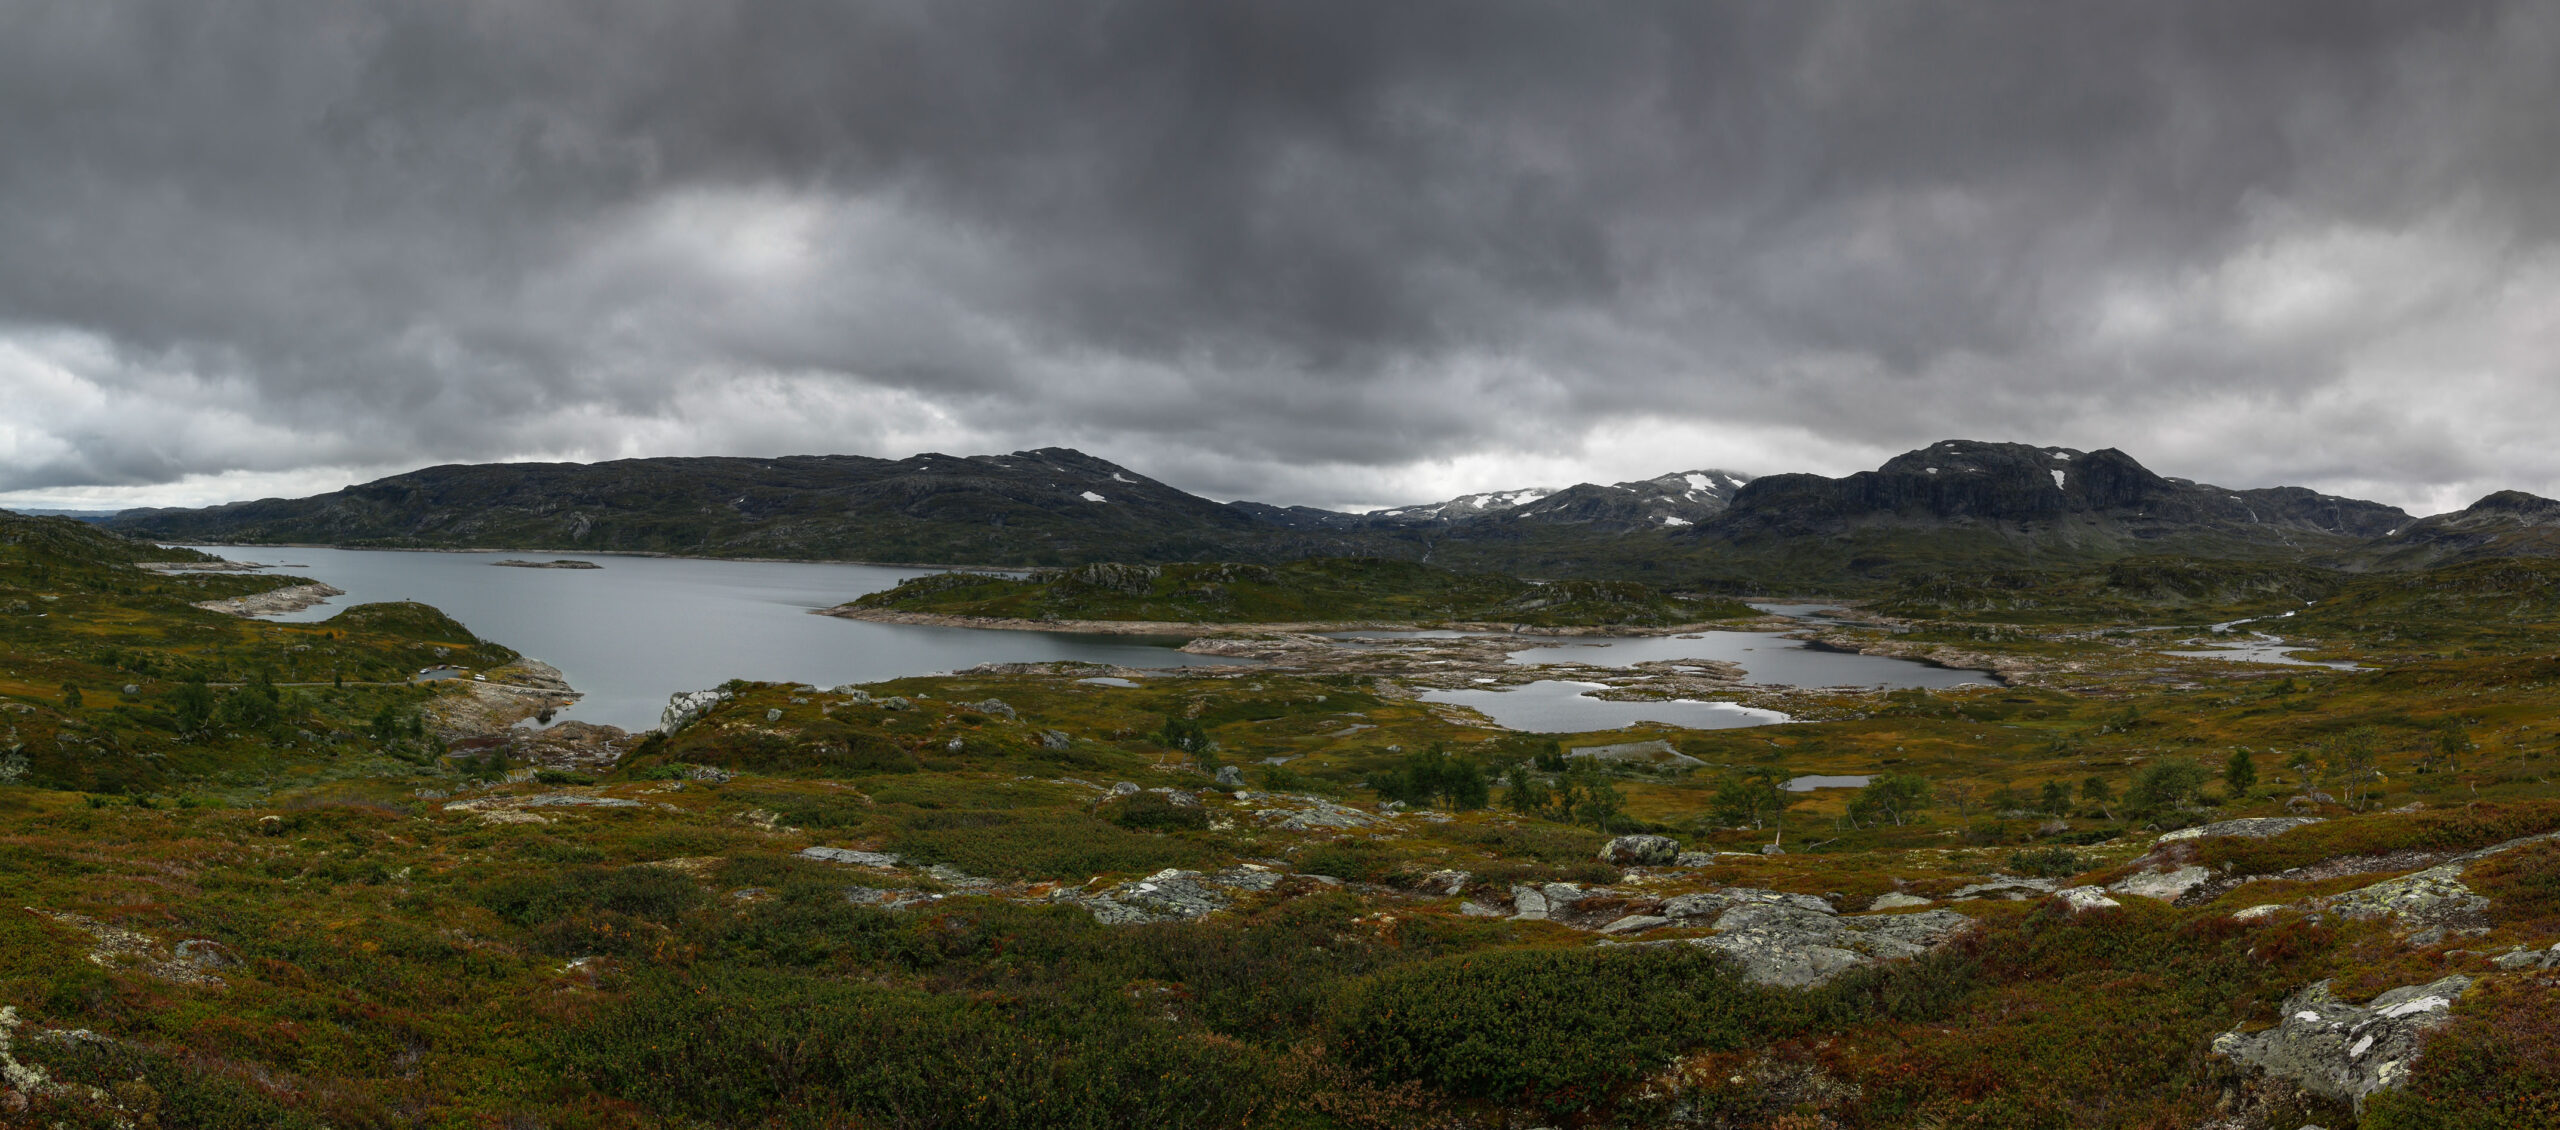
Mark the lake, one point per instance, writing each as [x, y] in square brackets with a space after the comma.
[641, 628]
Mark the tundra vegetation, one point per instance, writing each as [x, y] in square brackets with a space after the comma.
[266, 887]
[1336, 589]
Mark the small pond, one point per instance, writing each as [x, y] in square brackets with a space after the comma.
[1812, 781]
[1563, 706]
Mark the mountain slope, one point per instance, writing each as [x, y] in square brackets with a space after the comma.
[1952, 506]
[1963, 504]
[2509, 523]
[1051, 506]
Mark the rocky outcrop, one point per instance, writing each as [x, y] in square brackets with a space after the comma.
[2166, 886]
[2081, 899]
[274, 602]
[1297, 813]
[1640, 851]
[2255, 827]
[1786, 944]
[2428, 904]
[2345, 1052]
[685, 707]
[2010, 887]
[849, 856]
[1777, 938]
[1175, 895]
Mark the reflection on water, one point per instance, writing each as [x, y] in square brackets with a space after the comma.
[1560, 706]
[1764, 658]
[641, 628]
[2264, 648]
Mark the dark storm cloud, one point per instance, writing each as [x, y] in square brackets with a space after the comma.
[1305, 251]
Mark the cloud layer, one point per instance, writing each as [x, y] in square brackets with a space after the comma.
[1330, 253]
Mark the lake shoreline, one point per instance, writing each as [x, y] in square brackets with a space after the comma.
[643, 553]
[1296, 627]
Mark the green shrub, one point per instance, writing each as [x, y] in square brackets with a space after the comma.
[1042, 845]
[752, 1047]
[1558, 1029]
[1157, 812]
[1356, 860]
[2050, 863]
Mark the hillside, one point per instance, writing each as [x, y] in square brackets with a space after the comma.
[1051, 506]
[117, 681]
[1962, 505]
[1336, 589]
[2509, 523]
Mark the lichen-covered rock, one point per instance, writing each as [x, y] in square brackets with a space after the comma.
[1445, 882]
[1248, 877]
[2255, 827]
[2005, 886]
[1640, 851]
[1705, 903]
[1635, 924]
[1694, 859]
[1230, 777]
[2166, 886]
[2435, 898]
[2341, 1051]
[1528, 902]
[2086, 898]
[846, 855]
[1312, 813]
[2522, 958]
[686, 707]
[1171, 893]
[1787, 945]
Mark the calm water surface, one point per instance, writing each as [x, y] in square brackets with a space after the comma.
[641, 628]
[1764, 658]
[1564, 706]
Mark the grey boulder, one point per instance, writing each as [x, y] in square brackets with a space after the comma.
[845, 855]
[1640, 851]
[2255, 827]
[2341, 1051]
[2435, 898]
[1786, 945]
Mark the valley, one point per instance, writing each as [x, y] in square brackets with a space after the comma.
[277, 877]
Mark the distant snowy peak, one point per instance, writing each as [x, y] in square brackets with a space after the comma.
[1681, 498]
[1462, 507]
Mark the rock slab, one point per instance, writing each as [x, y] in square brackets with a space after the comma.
[2341, 1051]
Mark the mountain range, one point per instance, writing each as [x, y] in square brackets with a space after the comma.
[1953, 505]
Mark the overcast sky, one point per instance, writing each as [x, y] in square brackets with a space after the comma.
[1339, 254]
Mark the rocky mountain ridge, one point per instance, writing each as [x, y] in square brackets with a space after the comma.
[1956, 504]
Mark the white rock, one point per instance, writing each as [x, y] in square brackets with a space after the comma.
[2166, 886]
[2086, 898]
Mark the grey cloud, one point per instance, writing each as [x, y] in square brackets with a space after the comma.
[1284, 250]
